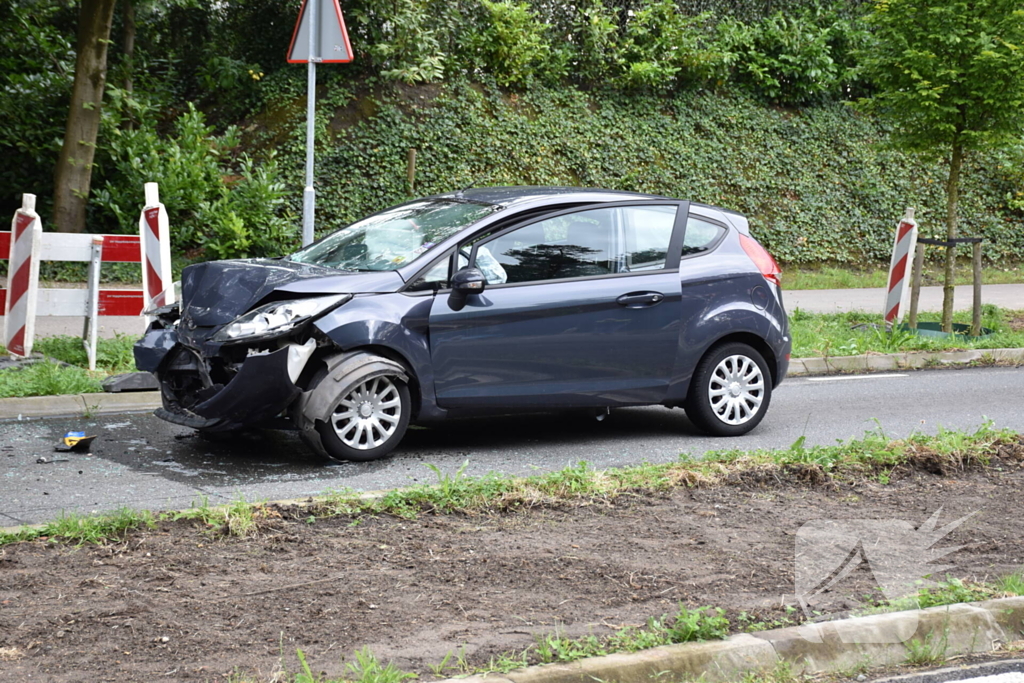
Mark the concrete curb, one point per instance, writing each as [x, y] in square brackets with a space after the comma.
[76, 405]
[140, 401]
[881, 362]
[827, 647]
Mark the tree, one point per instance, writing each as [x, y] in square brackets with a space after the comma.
[950, 75]
[73, 174]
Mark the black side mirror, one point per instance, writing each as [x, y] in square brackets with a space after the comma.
[468, 281]
[465, 281]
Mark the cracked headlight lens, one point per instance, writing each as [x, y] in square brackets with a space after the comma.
[277, 318]
[163, 304]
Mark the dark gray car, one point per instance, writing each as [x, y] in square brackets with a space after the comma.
[491, 300]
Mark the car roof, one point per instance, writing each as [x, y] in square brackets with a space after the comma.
[509, 196]
[542, 194]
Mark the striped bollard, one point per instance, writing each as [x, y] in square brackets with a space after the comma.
[899, 268]
[23, 279]
[156, 249]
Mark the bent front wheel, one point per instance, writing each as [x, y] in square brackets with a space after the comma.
[369, 414]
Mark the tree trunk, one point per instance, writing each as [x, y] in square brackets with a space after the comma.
[128, 44]
[73, 174]
[952, 196]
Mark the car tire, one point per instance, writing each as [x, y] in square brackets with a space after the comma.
[730, 391]
[368, 411]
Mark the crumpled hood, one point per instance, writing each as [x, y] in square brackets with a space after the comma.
[216, 292]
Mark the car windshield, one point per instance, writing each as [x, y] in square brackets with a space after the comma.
[393, 238]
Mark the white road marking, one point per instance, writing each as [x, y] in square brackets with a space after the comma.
[838, 378]
[1009, 677]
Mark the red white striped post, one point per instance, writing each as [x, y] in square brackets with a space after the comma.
[23, 279]
[156, 249]
[899, 268]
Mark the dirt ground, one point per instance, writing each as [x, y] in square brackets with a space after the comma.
[180, 604]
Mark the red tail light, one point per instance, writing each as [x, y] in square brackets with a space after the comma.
[762, 259]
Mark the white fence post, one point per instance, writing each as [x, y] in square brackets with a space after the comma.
[23, 279]
[92, 311]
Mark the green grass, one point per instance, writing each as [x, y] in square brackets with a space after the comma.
[82, 529]
[238, 518]
[834, 277]
[781, 673]
[685, 626]
[928, 651]
[833, 334]
[952, 590]
[46, 379]
[1012, 584]
[365, 668]
[113, 356]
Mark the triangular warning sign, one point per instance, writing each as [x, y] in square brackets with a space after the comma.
[332, 38]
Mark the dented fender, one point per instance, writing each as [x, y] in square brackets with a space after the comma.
[151, 350]
[397, 322]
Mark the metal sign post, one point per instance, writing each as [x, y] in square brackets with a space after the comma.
[314, 35]
[309, 194]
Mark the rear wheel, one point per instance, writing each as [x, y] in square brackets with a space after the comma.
[368, 411]
[730, 390]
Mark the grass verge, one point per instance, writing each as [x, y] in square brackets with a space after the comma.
[48, 378]
[834, 277]
[837, 334]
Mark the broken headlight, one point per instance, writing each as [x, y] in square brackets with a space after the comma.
[162, 304]
[277, 318]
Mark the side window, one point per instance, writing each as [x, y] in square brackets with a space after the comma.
[573, 245]
[648, 231]
[435, 278]
[700, 235]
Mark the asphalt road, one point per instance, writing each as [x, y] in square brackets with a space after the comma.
[142, 462]
[838, 300]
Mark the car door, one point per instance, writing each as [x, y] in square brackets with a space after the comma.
[581, 308]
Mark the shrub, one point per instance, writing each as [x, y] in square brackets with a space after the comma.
[227, 209]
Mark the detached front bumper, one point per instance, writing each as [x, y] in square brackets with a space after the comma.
[215, 394]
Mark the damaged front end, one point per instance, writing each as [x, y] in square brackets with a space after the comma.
[225, 362]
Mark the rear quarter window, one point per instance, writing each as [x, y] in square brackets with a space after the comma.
[701, 236]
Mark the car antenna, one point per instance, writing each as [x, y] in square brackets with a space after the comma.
[458, 193]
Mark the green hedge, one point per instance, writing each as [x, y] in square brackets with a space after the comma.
[815, 182]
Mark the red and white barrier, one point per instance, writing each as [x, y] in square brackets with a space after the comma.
[24, 301]
[156, 248]
[23, 278]
[899, 268]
